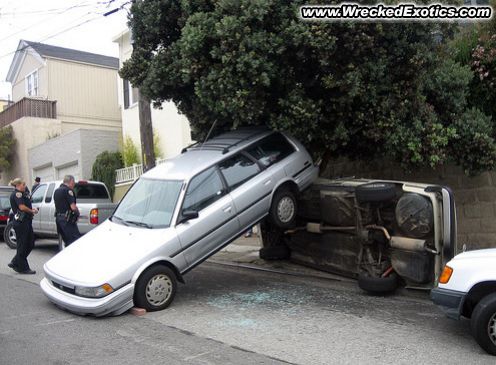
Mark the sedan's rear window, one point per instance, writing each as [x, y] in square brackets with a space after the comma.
[271, 149]
[4, 202]
[91, 191]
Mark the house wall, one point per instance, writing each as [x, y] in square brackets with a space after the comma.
[28, 132]
[85, 94]
[77, 147]
[171, 127]
[475, 196]
[30, 63]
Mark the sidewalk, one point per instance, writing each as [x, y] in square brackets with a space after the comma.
[244, 253]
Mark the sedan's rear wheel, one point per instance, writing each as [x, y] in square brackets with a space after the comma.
[9, 236]
[156, 288]
[283, 209]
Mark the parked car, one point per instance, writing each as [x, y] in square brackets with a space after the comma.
[384, 233]
[176, 216]
[93, 200]
[5, 192]
[467, 288]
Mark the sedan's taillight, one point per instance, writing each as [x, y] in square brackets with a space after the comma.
[94, 216]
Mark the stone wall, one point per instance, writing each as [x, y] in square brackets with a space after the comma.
[475, 196]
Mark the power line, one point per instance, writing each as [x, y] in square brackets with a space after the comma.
[14, 14]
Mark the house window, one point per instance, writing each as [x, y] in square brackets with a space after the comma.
[32, 84]
[130, 94]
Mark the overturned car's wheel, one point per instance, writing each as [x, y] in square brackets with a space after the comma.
[283, 209]
[375, 192]
[9, 236]
[155, 289]
[483, 323]
[279, 252]
[378, 285]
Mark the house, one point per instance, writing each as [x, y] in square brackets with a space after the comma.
[171, 127]
[4, 104]
[64, 110]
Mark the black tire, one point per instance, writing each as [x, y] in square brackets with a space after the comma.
[61, 243]
[283, 209]
[165, 283]
[483, 323]
[377, 285]
[279, 252]
[375, 192]
[9, 236]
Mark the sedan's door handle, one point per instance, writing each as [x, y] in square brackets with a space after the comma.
[227, 209]
[267, 182]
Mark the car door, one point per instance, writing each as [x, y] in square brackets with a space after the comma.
[37, 202]
[47, 218]
[249, 186]
[216, 223]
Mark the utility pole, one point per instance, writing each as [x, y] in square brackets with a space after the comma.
[146, 132]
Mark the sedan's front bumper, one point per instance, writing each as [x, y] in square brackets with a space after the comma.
[450, 301]
[113, 304]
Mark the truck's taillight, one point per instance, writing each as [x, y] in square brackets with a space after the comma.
[94, 216]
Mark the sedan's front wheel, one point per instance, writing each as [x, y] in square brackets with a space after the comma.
[9, 236]
[483, 323]
[155, 289]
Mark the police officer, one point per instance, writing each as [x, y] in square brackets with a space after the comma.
[66, 210]
[20, 201]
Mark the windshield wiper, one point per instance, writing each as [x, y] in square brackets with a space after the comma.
[139, 224]
[118, 219]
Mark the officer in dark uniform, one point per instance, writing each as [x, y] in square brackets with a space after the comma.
[66, 210]
[20, 201]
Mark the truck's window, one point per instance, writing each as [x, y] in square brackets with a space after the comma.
[271, 149]
[48, 197]
[237, 170]
[91, 191]
[39, 193]
[203, 190]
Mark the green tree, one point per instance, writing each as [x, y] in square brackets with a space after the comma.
[104, 169]
[361, 90]
[130, 154]
[7, 144]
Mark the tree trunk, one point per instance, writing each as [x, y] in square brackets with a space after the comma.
[146, 132]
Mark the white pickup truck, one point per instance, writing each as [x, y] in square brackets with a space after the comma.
[467, 287]
[93, 201]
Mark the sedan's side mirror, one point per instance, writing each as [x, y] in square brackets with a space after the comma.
[186, 215]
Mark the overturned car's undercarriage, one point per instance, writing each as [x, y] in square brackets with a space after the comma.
[384, 233]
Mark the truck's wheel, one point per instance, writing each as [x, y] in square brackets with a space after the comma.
[483, 323]
[155, 288]
[283, 209]
[9, 236]
[375, 192]
[377, 285]
[279, 252]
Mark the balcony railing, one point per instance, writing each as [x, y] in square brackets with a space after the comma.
[131, 173]
[28, 107]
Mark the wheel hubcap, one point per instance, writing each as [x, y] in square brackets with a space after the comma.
[158, 290]
[491, 328]
[12, 236]
[285, 209]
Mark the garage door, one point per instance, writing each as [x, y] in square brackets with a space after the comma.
[72, 169]
[45, 173]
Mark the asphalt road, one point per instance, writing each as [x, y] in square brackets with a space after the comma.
[226, 315]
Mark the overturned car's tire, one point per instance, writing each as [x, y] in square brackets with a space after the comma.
[9, 236]
[279, 252]
[378, 285]
[283, 209]
[375, 192]
[155, 288]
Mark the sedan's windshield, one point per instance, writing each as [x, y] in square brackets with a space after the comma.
[150, 204]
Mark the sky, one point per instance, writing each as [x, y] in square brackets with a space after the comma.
[76, 24]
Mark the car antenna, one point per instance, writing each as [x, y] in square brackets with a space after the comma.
[208, 134]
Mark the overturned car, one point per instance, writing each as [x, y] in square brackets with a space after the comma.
[385, 233]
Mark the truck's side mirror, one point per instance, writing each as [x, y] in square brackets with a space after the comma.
[186, 215]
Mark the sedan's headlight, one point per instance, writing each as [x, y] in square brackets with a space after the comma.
[96, 292]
